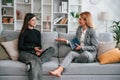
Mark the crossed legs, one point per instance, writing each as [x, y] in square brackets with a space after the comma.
[67, 60]
[84, 57]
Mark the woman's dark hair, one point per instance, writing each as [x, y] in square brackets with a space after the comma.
[27, 18]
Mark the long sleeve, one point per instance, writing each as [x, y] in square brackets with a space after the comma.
[39, 40]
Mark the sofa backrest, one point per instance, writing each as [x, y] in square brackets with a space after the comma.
[63, 48]
[105, 37]
[48, 39]
[10, 35]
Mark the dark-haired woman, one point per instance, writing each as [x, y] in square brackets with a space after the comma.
[29, 45]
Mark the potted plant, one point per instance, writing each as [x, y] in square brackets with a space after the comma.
[75, 15]
[9, 2]
[116, 31]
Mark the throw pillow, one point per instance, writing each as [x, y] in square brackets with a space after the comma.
[3, 53]
[105, 46]
[11, 48]
[111, 56]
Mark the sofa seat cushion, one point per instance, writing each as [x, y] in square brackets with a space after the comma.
[17, 68]
[12, 68]
[92, 69]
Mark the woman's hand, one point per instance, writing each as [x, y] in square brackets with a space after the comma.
[38, 51]
[78, 47]
[61, 40]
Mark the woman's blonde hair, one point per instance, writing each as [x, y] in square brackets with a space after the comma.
[88, 18]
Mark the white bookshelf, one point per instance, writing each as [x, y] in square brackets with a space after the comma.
[74, 6]
[46, 11]
[6, 16]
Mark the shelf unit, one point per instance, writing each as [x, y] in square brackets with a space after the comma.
[58, 13]
[46, 11]
[74, 6]
[7, 15]
[37, 11]
[46, 15]
[21, 9]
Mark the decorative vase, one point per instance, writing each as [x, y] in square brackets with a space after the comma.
[47, 26]
[9, 4]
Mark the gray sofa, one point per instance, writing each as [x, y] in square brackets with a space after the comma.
[15, 70]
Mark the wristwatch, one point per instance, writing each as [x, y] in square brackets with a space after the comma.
[94, 2]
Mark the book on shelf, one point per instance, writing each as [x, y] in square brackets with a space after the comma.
[63, 21]
[64, 6]
[73, 43]
[56, 20]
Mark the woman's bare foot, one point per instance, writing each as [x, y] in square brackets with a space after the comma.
[56, 72]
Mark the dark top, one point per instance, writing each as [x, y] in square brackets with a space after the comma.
[29, 39]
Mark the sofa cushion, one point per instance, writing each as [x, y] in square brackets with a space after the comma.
[111, 56]
[105, 46]
[17, 68]
[48, 39]
[3, 53]
[92, 69]
[63, 48]
[12, 68]
[11, 48]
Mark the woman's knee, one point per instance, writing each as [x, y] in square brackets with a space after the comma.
[73, 53]
[52, 49]
[84, 57]
[88, 56]
[35, 61]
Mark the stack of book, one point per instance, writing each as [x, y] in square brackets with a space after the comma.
[64, 6]
[60, 20]
[56, 20]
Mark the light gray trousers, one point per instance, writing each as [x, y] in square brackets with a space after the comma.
[84, 57]
[35, 72]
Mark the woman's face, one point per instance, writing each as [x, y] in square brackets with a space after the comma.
[32, 22]
[81, 21]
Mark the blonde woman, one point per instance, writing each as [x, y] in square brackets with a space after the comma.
[86, 51]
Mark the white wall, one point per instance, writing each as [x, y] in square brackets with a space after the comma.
[109, 6]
